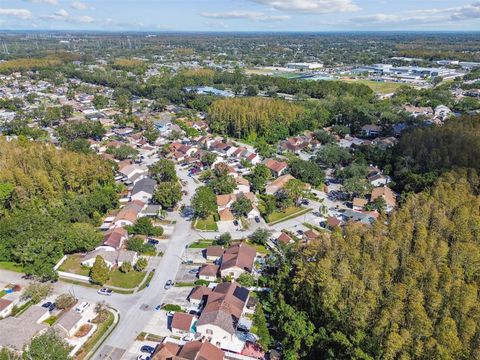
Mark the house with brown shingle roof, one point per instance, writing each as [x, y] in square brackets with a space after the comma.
[387, 194]
[197, 350]
[115, 238]
[219, 318]
[199, 295]
[208, 272]
[214, 253]
[182, 323]
[237, 260]
[278, 184]
[276, 167]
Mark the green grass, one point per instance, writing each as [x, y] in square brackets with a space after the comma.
[96, 336]
[260, 248]
[11, 266]
[51, 320]
[2, 293]
[201, 244]
[20, 310]
[380, 87]
[72, 265]
[147, 280]
[207, 224]
[128, 280]
[289, 213]
[184, 284]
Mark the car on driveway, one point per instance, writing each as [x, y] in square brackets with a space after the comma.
[257, 219]
[47, 305]
[105, 291]
[235, 222]
[194, 271]
[168, 284]
[153, 242]
[147, 349]
[81, 308]
[143, 357]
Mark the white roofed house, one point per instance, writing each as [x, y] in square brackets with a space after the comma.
[442, 112]
[69, 323]
[112, 257]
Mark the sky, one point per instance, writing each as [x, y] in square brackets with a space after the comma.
[241, 15]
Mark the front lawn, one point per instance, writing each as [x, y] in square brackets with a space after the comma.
[201, 244]
[11, 266]
[207, 224]
[289, 213]
[95, 338]
[260, 248]
[72, 265]
[128, 280]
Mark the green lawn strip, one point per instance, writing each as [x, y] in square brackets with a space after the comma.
[11, 266]
[128, 280]
[207, 224]
[20, 310]
[147, 280]
[72, 265]
[201, 244]
[184, 284]
[51, 320]
[290, 213]
[377, 86]
[313, 227]
[96, 336]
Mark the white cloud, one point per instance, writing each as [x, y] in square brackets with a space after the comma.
[17, 13]
[311, 6]
[78, 5]
[61, 14]
[422, 17]
[50, 2]
[85, 19]
[241, 14]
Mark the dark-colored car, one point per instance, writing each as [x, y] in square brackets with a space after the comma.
[153, 242]
[47, 305]
[168, 284]
[235, 222]
[147, 349]
[257, 219]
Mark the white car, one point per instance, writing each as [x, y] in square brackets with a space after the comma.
[105, 291]
[143, 357]
[81, 308]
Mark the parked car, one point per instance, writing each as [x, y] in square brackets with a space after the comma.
[235, 222]
[105, 291]
[153, 242]
[193, 271]
[52, 307]
[81, 308]
[300, 232]
[143, 357]
[147, 349]
[47, 305]
[305, 202]
[158, 307]
[257, 219]
[168, 284]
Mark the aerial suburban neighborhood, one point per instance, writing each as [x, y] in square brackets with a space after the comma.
[248, 196]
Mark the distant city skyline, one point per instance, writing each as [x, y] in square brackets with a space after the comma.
[241, 15]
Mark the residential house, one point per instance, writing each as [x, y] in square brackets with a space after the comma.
[208, 272]
[214, 253]
[199, 295]
[115, 238]
[237, 260]
[278, 184]
[417, 111]
[18, 331]
[182, 324]
[224, 307]
[442, 112]
[284, 238]
[243, 185]
[387, 194]
[225, 215]
[6, 307]
[276, 167]
[69, 323]
[359, 203]
[166, 351]
[371, 130]
[225, 201]
[143, 190]
[128, 171]
[378, 179]
[333, 222]
[112, 257]
[311, 235]
[198, 350]
[128, 214]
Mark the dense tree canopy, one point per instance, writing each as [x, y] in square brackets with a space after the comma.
[407, 289]
[50, 201]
